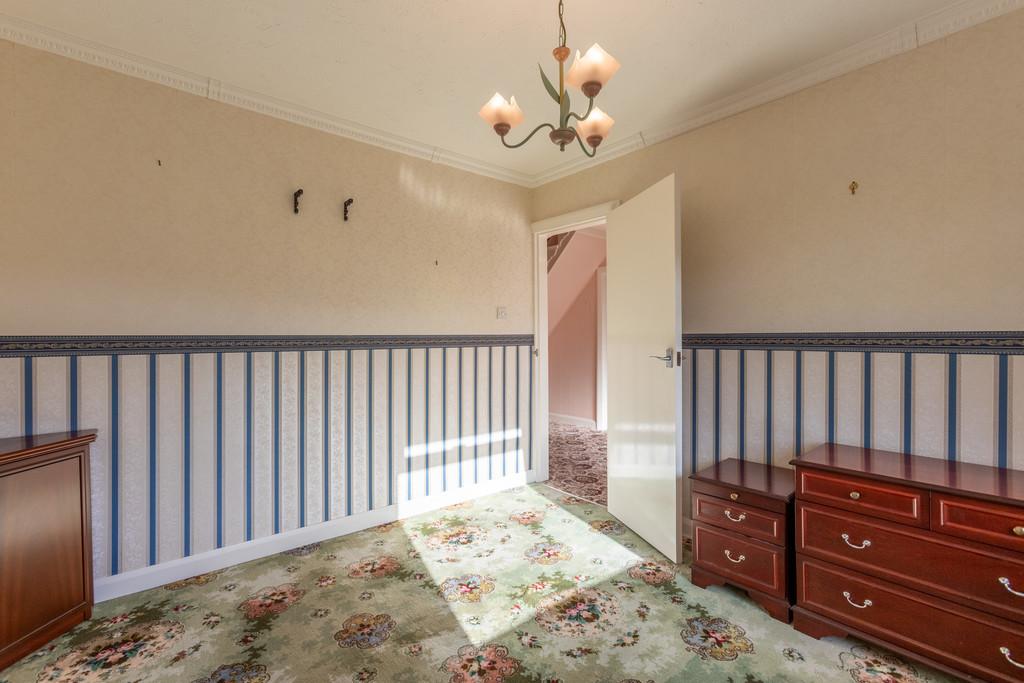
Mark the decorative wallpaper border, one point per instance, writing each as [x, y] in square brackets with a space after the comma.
[105, 345]
[998, 343]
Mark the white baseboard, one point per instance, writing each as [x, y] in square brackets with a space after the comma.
[572, 420]
[110, 587]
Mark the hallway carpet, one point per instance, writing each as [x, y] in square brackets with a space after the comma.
[578, 461]
[528, 585]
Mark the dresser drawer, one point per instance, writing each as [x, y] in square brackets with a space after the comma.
[992, 581]
[749, 521]
[739, 495]
[865, 496]
[749, 563]
[1001, 525]
[953, 635]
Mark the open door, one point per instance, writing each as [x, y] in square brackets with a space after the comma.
[644, 378]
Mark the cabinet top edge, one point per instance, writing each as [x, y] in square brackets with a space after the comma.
[16, 447]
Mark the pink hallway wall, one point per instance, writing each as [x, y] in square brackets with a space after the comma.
[572, 327]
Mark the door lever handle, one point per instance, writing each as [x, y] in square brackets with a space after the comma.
[666, 359]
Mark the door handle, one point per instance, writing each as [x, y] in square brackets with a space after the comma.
[666, 359]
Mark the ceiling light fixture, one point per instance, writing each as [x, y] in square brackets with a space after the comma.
[589, 73]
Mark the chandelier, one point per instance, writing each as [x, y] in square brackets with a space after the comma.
[588, 73]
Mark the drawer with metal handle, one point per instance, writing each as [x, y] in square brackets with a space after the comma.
[745, 519]
[961, 638]
[978, 576]
[978, 520]
[751, 564]
[884, 500]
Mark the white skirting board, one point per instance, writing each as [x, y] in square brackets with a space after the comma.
[111, 587]
[572, 420]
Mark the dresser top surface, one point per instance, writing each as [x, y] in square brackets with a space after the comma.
[776, 482]
[15, 446]
[963, 478]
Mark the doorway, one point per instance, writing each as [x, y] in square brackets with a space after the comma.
[643, 327]
[577, 415]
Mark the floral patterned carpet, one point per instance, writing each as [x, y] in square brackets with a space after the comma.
[578, 461]
[526, 585]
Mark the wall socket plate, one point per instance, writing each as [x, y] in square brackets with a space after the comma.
[502, 313]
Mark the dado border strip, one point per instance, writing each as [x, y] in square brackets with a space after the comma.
[999, 343]
[92, 345]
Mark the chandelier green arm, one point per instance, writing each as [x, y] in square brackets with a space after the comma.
[527, 138]
[583, 147]
[580, 118]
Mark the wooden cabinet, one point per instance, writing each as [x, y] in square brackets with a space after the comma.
[926, 559]
[45, 540]
[742, 531]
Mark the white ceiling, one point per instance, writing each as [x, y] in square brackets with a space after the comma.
[420, 70]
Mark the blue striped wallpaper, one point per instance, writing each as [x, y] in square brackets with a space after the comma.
[204, 450]
[771, 397]
[945, 405]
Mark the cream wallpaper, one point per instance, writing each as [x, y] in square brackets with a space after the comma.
[132, 208]
[129, 208]
[774, 241]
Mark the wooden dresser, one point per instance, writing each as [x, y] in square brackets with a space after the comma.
[45, 540]
[742, 531]
[921, 555]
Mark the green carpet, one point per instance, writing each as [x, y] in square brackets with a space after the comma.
[527, 585]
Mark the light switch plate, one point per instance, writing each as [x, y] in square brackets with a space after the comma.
[502, 312]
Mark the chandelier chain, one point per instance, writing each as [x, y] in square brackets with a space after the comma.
[561, 24]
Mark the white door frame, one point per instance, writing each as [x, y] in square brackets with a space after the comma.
[590, 217]
[602, 341]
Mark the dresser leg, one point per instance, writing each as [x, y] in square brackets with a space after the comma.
[811, 625]
[703, 579]
[777, 608]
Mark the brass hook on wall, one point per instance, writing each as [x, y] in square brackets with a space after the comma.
[853, 187]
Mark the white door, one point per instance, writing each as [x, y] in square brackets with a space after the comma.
[645, 392]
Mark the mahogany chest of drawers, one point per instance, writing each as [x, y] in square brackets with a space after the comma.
[45, 540]
[923, 556]
[742, 531]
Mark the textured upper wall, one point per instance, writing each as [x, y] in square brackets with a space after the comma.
[97, 238]
[773, 239]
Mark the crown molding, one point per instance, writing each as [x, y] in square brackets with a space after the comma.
[931, 27]
[927, 29]
[82, 50]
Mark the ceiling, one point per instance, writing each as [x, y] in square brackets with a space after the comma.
[418, 71]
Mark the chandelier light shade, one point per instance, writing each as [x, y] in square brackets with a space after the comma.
[595, 127]
[589, 73]
[499, 111]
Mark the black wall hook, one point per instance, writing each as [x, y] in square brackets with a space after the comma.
[295, 197]
[348, 203]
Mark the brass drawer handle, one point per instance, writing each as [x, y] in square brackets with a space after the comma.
[1006, 584]
[864, 605]
[862, 546]
[1018, 530]
[728, 514]
[728, 556]
[1006, 653]
[736, 496]
[855, 495]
